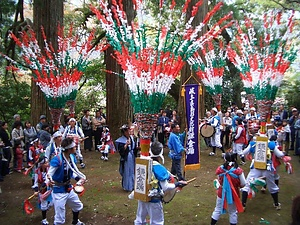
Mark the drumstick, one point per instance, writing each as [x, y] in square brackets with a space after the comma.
[30, 197]
[82, 139]
[191, 180]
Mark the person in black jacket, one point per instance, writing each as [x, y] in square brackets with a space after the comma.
[5, 138]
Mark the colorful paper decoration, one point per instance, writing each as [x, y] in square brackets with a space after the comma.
[263, 56]
[210, 68]
[152, 56]
[56, 72]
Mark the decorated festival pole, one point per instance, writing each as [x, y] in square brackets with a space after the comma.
[56, 115]
[217, 99]
[263, 58]
[146, 123]
[210, 69]
[151, 63]
[57, 73]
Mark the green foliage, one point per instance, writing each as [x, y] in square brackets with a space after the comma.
[14, 98]
[289, 89]
[92, 94]
[7, 8]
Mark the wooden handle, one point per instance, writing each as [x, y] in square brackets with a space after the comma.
[30, 197]
[191, 180]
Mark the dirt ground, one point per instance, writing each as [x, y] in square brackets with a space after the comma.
[105, 202]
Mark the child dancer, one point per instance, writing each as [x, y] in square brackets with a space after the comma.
[40, 187]
[107, 144]
[35, 150]
[231, 178]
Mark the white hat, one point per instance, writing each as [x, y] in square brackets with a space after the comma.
[294, 110]
[239, 111]
[35, 140]
[57, 134]
[253, 109]
[214, 109]
[72, 119]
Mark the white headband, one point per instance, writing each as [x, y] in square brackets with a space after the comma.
[159, 155]
[72, 145]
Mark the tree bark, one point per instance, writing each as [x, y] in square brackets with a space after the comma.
[118, 107]
[186, 72]
[46, 13]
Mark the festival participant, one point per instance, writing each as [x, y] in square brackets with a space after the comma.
[107, 144]
[268, 172]
[239, 140]
[231, 178]
[34, 152]
[55, 146]
[40, 187]
[62, 169]
[176, 146]
[215, 140]
[75, 132]
[161, 176]
[127, 149]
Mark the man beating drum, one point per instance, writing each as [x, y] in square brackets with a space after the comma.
[160, 184]
[215, 139]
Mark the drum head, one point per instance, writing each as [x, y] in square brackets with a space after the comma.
[207, 130]
[79, 189]
[169, 195]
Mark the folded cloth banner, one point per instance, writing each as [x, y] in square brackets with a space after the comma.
[191, 98]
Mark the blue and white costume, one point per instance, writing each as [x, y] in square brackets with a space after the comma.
[52, 150]
[267, 173]
[60, 172]
[75, 133]
[154, 208]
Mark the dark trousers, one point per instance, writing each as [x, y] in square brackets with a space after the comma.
[292, 140]
[7, 155]
[161, 137]
[297, 140]
[225, 134]
[88, 143]
[97, 136]
[176, 169]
